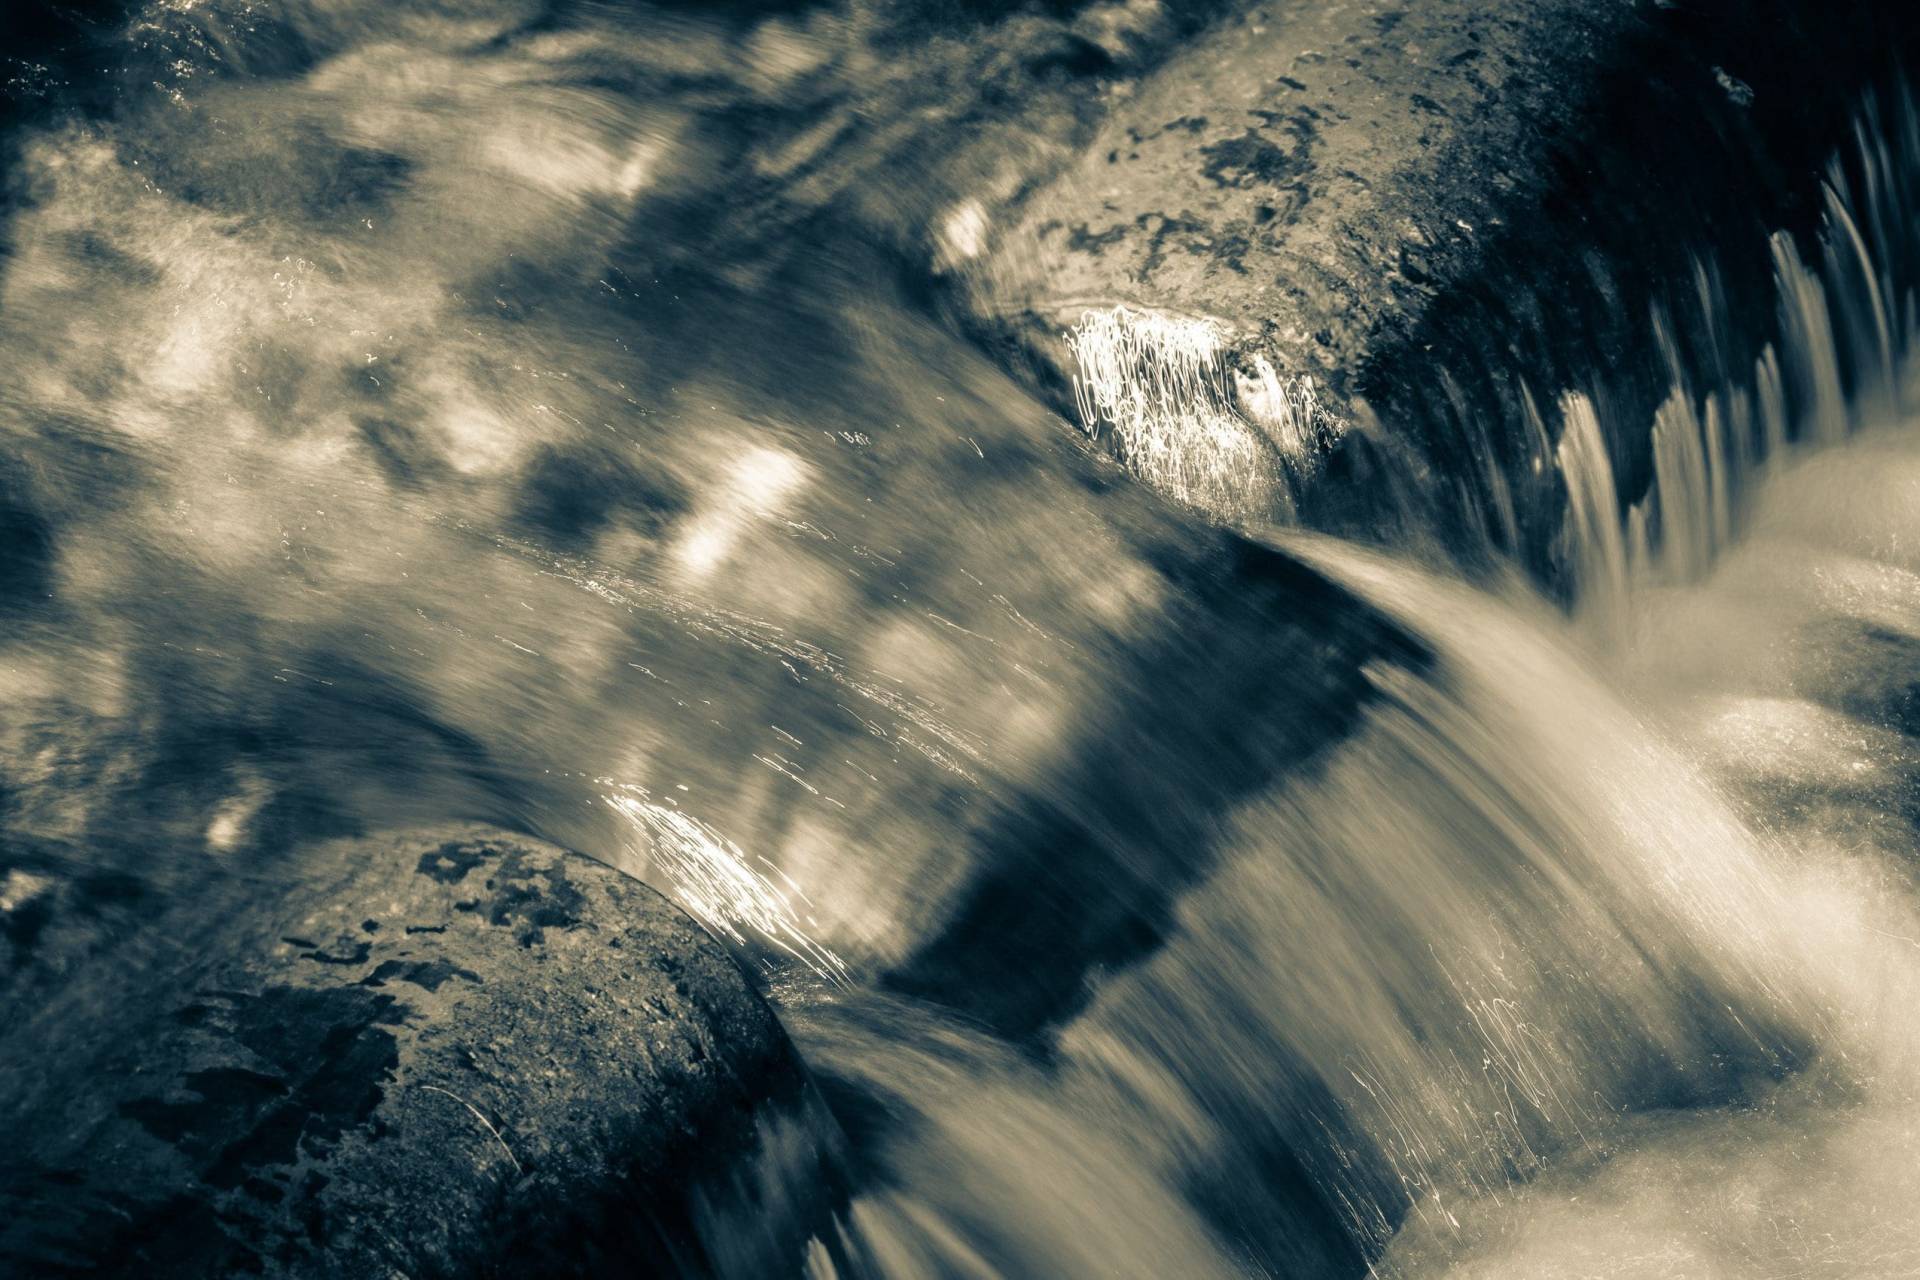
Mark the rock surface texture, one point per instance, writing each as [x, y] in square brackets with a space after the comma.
[1436, 218]
[1306, 174]
[459, 1054]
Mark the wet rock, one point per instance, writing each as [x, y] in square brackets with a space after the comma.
[1437, 218]
[1306, 173]
[464, 1053]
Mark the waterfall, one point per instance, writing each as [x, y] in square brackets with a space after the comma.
[1838, 362]
[1540, 927]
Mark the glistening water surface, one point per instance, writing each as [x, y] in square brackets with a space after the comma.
[419, 412]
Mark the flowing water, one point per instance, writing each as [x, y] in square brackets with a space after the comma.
[474, 410]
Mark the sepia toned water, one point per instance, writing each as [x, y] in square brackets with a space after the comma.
[484, 409]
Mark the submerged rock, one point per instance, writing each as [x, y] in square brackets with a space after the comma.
[1266, 667]
[464, 1053]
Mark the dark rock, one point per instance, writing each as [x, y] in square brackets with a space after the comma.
[1447, 214]
[1305, 157]
[459, 1054]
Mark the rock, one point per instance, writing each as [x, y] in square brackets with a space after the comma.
[1438, 218]
[463, 1053]
[1306, 171]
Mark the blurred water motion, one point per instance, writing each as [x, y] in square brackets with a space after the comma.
[479, 410]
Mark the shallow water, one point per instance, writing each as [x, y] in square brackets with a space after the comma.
[468, 410]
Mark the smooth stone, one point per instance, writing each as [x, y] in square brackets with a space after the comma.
[457, 1053]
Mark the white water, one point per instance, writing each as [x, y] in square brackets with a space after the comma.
[1522, 967]
[1594, 954]
[1751, 672]
[1522, 916]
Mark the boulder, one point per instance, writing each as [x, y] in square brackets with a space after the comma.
[459, 1053]
[1355, 252]
[1304, 173]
